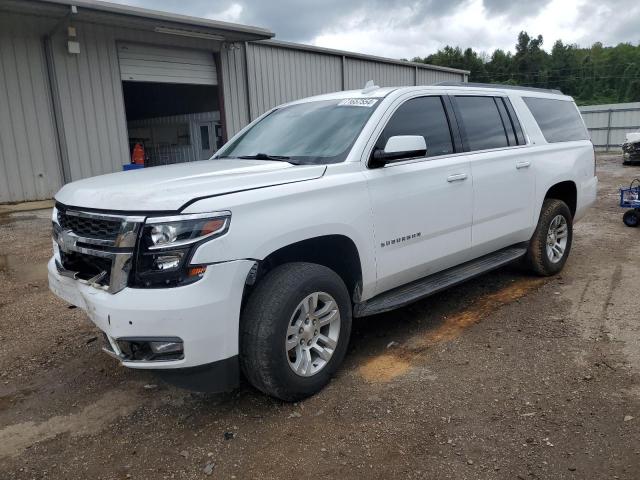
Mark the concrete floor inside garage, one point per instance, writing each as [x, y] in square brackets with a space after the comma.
[506, 376]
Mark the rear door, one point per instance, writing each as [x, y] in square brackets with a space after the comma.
[503, 180]
[421, 207]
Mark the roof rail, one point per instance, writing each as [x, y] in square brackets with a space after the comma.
[498, 85]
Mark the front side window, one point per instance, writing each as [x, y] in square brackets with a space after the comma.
[482, 123]
[423, 116]
[559, 120]
[318, 132]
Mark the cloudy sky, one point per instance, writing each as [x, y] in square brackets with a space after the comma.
[409, 28]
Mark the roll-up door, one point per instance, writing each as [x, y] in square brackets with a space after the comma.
[149, 63]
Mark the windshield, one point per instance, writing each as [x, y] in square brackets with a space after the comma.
[307, 133]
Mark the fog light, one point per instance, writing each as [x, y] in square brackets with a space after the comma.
[167, 261]
[164, 348]
[150, 349]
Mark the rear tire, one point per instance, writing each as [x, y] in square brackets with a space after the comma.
[295, 330]
[550, 244]
[631, 218]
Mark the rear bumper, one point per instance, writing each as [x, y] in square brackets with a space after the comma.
[204, 315]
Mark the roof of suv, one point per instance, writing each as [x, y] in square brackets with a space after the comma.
[381, 92]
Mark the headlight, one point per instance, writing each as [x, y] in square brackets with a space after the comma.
[167, 244]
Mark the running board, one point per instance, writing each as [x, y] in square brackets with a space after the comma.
[406, 294]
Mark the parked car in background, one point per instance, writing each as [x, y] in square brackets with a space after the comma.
[631, 148]
[338, 206]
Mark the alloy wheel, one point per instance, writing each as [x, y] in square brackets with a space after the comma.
[312, 334]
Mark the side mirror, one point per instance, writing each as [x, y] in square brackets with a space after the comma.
[399, 147]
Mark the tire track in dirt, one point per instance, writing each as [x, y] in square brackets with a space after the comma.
[390, 365]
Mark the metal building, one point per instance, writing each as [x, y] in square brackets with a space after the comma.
[82, 82]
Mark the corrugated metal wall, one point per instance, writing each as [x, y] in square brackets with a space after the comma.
[234, 88]
[280, 72]
[358, 72]
[29, 160]
[280, 75]
[608, 124]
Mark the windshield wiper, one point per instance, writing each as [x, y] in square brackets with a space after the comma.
[264, 156]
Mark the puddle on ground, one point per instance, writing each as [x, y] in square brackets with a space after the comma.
[28, 272]
[390, 365]
[8, 219]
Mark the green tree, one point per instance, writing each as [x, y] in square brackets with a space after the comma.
[597, 74]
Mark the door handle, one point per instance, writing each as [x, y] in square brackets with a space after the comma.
[525, 164]
[458, 177]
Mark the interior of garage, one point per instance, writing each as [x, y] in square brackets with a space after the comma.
[172, 104]
[172, 123]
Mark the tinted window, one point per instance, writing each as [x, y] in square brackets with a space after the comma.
[424, 116]
[316, 132]
[482, 123]
[559, 120]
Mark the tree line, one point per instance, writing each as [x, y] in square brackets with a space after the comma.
[593, 75]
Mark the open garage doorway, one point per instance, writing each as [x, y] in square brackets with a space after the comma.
[172, 104]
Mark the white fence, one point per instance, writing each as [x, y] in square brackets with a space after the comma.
[608, 124]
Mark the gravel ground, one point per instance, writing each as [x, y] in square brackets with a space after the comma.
[507, 376]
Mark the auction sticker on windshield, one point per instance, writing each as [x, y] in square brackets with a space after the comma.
[358, 102]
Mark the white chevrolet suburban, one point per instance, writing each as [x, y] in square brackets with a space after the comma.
[324, 209]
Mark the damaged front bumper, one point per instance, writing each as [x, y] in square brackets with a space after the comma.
[188, 334]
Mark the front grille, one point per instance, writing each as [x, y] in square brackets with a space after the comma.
[87, 266]
[96, 247]
[89, 227]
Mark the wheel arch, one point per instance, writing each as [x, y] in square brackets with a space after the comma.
[566, 191]
[335, 251]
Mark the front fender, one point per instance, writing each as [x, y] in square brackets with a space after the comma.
[267, 220]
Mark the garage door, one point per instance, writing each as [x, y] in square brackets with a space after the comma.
[147, 63]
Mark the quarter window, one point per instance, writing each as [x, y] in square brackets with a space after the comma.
[424, 116]
[559, 120]
[482, 123]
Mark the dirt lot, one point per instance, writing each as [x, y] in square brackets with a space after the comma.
[508, 376]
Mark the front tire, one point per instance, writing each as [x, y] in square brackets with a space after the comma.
[551, 242]
[295, 330]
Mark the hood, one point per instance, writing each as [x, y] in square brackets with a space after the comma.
[169, 187]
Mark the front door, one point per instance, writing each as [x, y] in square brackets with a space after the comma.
[422, 208]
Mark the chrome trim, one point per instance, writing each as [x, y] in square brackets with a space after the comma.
[121, 261]
[105, 216]
[189, 216]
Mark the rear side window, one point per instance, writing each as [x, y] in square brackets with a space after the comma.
[559, 120]
[423, 116]
[482, 123]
